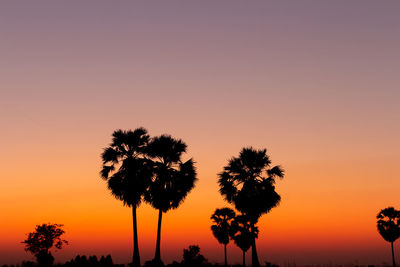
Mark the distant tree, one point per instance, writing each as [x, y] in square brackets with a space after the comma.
[248, 182]
[243, 235]
[192, 257]
[93, 261]
[42, 240]
[222, 228]
[106, 261]
[172, 181]
[128, 173]
[388, 225]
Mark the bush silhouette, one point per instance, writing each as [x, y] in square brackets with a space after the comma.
[192, 256]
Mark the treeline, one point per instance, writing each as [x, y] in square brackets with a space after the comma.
[139, 168]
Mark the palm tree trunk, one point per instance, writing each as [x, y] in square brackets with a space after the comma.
[157, 256]
[244, 258]
[226, 260]
[136, 256]
[394, 263]
[254, 257]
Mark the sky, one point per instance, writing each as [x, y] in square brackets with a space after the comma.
[316, 83]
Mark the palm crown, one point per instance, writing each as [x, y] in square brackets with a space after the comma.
[125, 167]
[172, 179]
[222, 229]
[248, 182]
[243, 235]
[388, 224]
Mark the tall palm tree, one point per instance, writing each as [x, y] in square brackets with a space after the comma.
[243, 235]
[222, 227]
[248, 182]
[389, 226]
[172, 181]
[128, 173]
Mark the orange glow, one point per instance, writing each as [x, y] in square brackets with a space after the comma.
[314, 83]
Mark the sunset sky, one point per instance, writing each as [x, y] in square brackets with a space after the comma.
[317, 83]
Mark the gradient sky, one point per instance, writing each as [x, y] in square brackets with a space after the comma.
[315, 82]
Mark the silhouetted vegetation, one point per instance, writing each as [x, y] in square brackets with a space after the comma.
[173, 179]
[91, 261]
[222, 228]
[137, 167]
[192, 257]
[248, 182]
[42, 240]
[243, 234]
[388, 225]
[128, 173]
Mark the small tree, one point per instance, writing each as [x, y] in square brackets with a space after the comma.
[243, 235]
[192, 256]
[222, 229]
[389, 226]
[42, 240]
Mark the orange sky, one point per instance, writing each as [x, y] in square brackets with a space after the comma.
[314, 83]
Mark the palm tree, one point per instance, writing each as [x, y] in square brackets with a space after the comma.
[172, 181]
[222, 229]
[389, 226]
[128, 173]
[248, 182]
[243, 235]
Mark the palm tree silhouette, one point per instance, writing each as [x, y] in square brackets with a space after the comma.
[222, 229]
[243, 235]
[389, 226]
[128, 173]
[248, 182]
[172, 181]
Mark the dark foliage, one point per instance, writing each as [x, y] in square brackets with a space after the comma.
[244, 234]
[172, 181]
[91, 261]
[125, 168]
[192, 257]
[42, 240]
[248, 182]
[222, 228]
[388, 225]
[128, 173]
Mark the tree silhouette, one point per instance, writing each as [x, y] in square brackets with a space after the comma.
[222, 228]
[388, 225]
[243, 236]
[192, 257]
[42, 240]
[128, 173]
[248, 182]
[172, 181]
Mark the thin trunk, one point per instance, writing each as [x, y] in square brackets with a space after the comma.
[244, 258]
[157, 256]
[394, 263]
[226, 260]
[136, 256]
[254, 257]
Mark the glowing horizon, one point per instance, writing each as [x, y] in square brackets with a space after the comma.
[316, 84]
